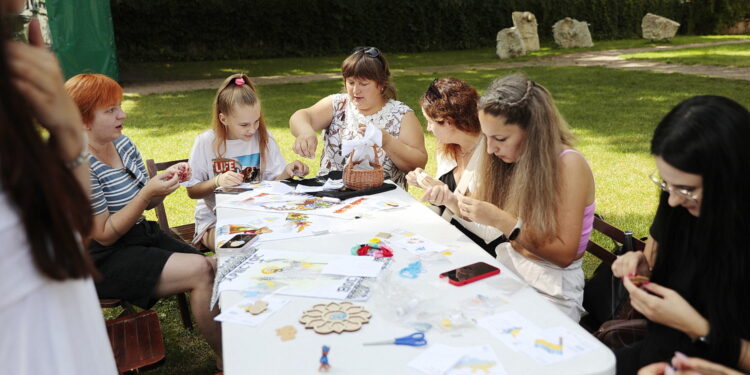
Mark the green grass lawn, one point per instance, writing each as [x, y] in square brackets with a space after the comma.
[167, 71]
[727, 55]
[612, 113]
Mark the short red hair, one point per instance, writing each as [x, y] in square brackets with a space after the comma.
[92, 91]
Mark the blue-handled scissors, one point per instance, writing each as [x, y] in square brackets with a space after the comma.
[415, 339]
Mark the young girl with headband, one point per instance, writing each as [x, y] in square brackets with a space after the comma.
[238, 149]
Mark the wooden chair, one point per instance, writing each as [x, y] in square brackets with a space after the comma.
[614, 234]
[183, 233]
[136, 340]
[607, 257]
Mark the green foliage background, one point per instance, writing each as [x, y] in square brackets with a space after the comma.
[195, 30]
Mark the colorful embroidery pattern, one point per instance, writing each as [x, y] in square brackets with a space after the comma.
[303, 205]
[349, 206]
[549, 347]
[298, 220]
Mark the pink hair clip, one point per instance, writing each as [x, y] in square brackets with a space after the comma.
[239, 81]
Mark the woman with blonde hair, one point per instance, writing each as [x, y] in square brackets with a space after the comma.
[535, 188]
[239, 148]
[370, 99]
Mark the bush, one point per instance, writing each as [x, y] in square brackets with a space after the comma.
[165, 30]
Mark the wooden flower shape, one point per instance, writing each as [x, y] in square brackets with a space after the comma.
[335, 317]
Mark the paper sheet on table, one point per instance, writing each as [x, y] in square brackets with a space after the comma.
[511, 328]
[415, 243]
[440, 359]
[547, 346]
[238, 314]
[268, 202]
[300, 274]
[364, 266]
[272, 226]
[558, 344]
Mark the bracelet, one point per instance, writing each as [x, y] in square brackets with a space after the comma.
[83, 155]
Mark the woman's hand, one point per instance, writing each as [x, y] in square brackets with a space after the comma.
[411, 177]
[296, 168]
[229, 179]
[631, 263]
[306, 144]
[477, 210]
[439, 195]
[684, 365]
[419, 178]
[182, 170]
[699, 366]
[665, 306]
[427, 181]
[162, 185]
[36, 73]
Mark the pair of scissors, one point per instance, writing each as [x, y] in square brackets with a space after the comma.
[415, 339]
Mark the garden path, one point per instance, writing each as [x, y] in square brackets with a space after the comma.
[608, 59]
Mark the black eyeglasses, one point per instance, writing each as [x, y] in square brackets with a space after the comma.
[432, 92]
[368, 51]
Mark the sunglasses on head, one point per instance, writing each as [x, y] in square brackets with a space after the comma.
[432, 92]
[368, 51]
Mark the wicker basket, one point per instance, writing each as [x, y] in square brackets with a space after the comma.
[357, 179]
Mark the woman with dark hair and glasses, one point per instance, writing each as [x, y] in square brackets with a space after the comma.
[697, 256]
[450, 107]
[50, 319]
[139, 262]
[370, 98]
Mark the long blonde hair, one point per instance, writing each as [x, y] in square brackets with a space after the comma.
[227, 97]
[530, 187]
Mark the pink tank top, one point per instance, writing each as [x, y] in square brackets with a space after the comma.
[588, 217]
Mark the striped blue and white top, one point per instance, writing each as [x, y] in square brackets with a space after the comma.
[112, 189]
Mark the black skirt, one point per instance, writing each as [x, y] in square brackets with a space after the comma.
[131, 267]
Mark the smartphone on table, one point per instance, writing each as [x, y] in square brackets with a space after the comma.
[239, 242]
[471, 273]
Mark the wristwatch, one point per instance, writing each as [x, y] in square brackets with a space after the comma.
[516, 230]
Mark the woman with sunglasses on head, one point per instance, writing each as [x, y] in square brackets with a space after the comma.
[697, 256]
[450, 107]
[534, 188]
[370, 98]
[50, 319]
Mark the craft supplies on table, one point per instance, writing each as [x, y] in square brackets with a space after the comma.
[415, 339]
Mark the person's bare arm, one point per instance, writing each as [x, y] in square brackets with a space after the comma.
[307, 122]
[407, 151]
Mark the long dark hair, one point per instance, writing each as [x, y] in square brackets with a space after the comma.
[53, 208]
[707, 259]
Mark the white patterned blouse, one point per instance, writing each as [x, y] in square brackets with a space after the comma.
[345, 126]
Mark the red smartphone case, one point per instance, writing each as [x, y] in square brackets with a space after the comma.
[487, 274]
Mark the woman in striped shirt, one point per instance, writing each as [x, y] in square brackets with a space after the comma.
[139, 262]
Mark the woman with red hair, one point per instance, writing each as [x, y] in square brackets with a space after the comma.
[138, 261]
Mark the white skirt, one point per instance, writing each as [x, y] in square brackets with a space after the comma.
[561, 286]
